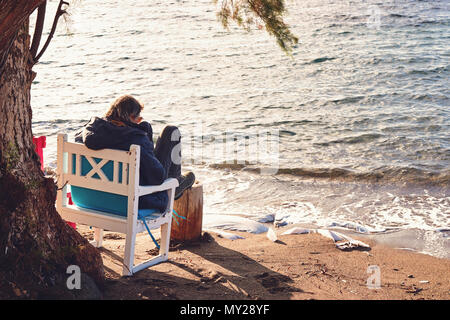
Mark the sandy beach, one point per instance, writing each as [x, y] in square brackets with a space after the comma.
[295, 267]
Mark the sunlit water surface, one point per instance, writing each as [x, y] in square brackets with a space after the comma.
[360, 111]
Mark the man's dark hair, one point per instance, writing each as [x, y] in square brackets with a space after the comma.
[123, 108]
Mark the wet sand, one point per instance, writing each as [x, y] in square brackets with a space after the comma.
[295, 267]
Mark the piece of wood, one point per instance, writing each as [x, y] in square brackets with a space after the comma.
[190, 206]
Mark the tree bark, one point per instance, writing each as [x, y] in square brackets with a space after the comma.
[36, 245]
[13, 13]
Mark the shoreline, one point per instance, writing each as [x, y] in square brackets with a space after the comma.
[389, 221]
[422, 240]
[411, 239]
[295, 267]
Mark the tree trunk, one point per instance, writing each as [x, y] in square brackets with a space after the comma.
[36, 245]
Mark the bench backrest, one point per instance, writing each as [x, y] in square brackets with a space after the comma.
[107, 170]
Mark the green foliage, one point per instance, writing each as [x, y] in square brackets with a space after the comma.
[250, 12]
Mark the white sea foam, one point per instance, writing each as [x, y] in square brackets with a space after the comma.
[224, 234]
[231, 222]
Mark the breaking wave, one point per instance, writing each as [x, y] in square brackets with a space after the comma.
[401, 175]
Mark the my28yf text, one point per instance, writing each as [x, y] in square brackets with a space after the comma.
[232, 309]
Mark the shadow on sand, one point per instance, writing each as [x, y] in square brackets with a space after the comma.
[234, 276]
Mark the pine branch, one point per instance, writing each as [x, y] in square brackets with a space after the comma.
[38, 29]
[249, 12]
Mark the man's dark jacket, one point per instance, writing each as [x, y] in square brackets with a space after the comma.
[102, 134]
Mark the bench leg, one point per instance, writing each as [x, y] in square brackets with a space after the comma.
[165, 240]
[128, 260]
[98, 237]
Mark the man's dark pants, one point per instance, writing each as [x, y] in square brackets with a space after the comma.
[168, 151]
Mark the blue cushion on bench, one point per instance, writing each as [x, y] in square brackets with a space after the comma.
[100, 200]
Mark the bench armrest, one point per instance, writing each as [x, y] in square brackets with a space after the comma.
[170, 183]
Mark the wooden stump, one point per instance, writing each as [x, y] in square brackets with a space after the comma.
[190, 206]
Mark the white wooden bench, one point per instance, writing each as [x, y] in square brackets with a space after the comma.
[125, 183]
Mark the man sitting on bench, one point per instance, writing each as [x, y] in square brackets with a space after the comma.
[121, 127]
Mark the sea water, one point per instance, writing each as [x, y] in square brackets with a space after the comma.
[359, 114]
